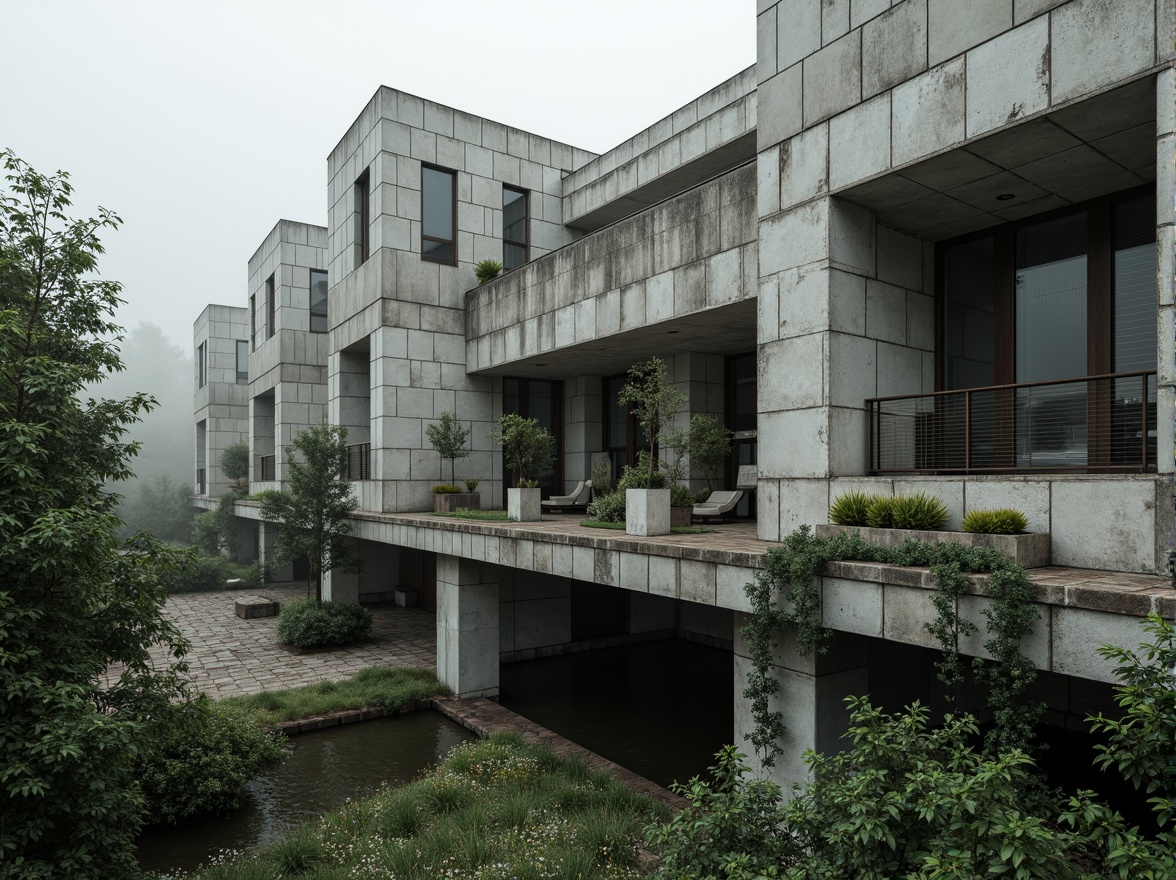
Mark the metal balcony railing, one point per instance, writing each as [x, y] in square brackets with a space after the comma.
[359, 461]
[1093, 424]
[201, 485]
[268, 468]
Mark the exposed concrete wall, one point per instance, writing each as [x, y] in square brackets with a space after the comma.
[221, 403]
[467, 627]
[534, 610]
[686, 256]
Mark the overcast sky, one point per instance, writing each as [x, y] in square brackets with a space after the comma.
[203, 123]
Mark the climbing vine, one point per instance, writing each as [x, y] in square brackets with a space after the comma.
[785, 599]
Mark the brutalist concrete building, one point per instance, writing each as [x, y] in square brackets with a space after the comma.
[920, 245]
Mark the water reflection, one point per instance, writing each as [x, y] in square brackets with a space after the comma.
[324, 769]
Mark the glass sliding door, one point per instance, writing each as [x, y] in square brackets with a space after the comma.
[539, 399]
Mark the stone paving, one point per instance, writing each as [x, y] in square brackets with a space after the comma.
[232, 657]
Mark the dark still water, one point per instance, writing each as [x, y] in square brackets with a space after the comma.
[661, 709]
[324, 769]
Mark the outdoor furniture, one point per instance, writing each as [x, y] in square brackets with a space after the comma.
[718, 506]
[577, 498]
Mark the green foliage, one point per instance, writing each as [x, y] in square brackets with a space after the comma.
[472, 485]
[447, 489]
[487, 270]
[708, 443]
[199, 574]
[527, 446]
[313, 513]
[313, 624]
[851, 508]
[235, 462]
[601, 476]
[159, 506]
[654, 401]
[382, 687]
[202, 758]
[1004, 521]
[681, 496]
[449, 437]
[1142, 744]
[496, 809]
[919, 511]
[470, 513]
[610, 508]
[215, 531]
[729, 815]
[880, 514]
[74, 600]
[784, 598]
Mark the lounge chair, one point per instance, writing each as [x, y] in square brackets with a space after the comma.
[577, 498]
[718, 507]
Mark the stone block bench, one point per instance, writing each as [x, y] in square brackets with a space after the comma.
[251, 607]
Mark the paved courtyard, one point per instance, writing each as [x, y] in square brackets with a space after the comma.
[231, 656]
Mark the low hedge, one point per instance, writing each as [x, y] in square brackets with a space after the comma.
[306, 623]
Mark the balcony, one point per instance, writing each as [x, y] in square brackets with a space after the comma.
[359, 462]
[1096, 424]
[267, 468]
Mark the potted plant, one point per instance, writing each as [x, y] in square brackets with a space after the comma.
[706, 444]
[449, 437]
[655, 402]
[528, 448]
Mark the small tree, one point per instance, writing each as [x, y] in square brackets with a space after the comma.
[313, 514]
[654, 400]
[708, 443]
[449, 438]
[527, 446]
[235, 462]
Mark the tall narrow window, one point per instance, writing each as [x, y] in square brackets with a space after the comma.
[202, 365]
[438, 211]
[514, 228]
[253, 321]
[242, 360]
[363, 218]
[318, 301]
[269, 307]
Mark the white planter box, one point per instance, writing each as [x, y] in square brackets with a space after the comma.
[647, 512]
[522, 505]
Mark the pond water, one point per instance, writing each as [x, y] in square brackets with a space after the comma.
[661, 709]
[324, 769]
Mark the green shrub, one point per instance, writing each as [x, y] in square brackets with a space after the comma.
[201, 573]
[734, 815]
[471, 485]
[200, 758]
[1004, 521]
[918, 511]
[880, 514]
[487, 270]
[611, 507]
[601, 476]
[306, 623]
[447, 489]
[681, 496]
[851, 509]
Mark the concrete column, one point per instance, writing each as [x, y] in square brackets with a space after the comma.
[340, 585]
[811, 697]
[583, 417]
[268, 532]
[467, 626]
[1166, 256]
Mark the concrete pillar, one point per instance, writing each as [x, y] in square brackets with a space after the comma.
[340, 585]
[811, 697]
[268, 532]
[583, 417]
[467, 626]
[1166, 257]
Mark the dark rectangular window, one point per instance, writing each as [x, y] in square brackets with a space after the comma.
[438, 215]
[253, 321]
[363, 218]
[242, 360]
[318, 301]
[269, 307]
[540, 399]
[202, 365]
[515, 238]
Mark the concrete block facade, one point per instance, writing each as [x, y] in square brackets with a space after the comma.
[220, 401]
[797, 217]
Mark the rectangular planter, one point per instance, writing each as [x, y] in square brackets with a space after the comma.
[647, 512]
[680, 516]
[1031, 549]
[523, 505]
[448, 502]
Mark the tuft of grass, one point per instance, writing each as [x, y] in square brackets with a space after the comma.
[851, 509]
[496, 809]
[919, 511]
[1003, 521]
[382, 687]
[880, 514]
[620, 527]
[468, 513]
